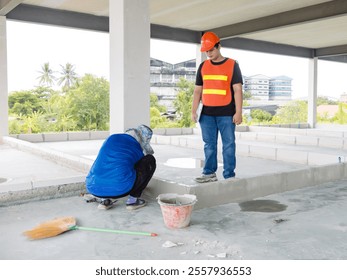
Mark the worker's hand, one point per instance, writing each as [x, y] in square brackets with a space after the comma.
[194, 117]
[237, 118]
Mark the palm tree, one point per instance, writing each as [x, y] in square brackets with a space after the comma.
[68, 76]
[47, 75]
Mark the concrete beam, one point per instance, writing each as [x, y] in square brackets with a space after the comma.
[338, 58]
[8, 5]
[331, 51]
[267, 47]
[175, 34]
[306, 14]
[49, 16]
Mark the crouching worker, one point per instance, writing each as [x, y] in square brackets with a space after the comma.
[124, 166]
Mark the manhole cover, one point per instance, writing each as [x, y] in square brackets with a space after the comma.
[262, 206]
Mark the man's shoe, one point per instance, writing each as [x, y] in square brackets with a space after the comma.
[106, 204]
[138, 204]
[205, 178]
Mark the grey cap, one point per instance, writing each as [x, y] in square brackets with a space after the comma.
[143, 135]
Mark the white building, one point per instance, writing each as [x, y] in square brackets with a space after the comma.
[165, 76]
[267, 88]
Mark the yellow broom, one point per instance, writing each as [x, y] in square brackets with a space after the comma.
[61, 225]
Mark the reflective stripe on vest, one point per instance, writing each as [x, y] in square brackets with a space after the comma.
[217, 82]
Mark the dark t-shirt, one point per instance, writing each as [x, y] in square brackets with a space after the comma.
[228, 110]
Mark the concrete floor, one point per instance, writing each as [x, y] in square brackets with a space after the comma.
[263, 214]
[305, 224]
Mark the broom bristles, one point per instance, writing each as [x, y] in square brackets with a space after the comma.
[51, 228]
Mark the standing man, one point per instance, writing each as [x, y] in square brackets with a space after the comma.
[219, 86]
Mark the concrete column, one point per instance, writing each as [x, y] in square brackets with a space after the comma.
[129, 64]
[312, 92]
[3, 79]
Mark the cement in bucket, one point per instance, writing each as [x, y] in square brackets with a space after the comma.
[176, 209]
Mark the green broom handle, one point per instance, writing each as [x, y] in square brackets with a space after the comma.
[113, 231]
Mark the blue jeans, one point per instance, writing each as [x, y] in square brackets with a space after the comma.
[210, 125]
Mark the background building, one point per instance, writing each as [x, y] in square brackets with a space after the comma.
[267, 88]
[165, 76]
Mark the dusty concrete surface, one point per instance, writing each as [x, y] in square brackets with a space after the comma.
[309, 223]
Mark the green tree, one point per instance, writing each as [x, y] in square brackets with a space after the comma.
[68, 76]
[341, 115]
[155, 103]
[246, 95]
[24, 103]
[65, 123]
[155, 118]
[183, 102]
[88, 103]
[47, 77]
[292, 112]
[33, 123]
[322, 100]
[260, 116]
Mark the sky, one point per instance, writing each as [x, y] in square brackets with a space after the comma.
[30, 45]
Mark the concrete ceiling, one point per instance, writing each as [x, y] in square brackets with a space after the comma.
[306, 28]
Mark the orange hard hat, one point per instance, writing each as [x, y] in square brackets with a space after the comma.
[208, 41]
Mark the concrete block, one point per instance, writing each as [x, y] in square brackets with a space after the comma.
[161, 139]
[324, 133]
[242, 149]
[197, 130]
[59, 181]
[15, 136]
[269, 129]
[328, 173]
[183, 142]
[322, 159]
[77, 136]
[292, 156]
[187, 130]
[55, 137]
[299, 179]
[96, 135]
[34, 138]
[193, 143]
[159, 131]
[331, 142]
[237, 135]
[266, 137]
[175, 140]
[286, 139]
[173, 131]
[248, 136]
[282, 130]
[307, 140]
[254, 128]
[297, 131]
[262, 152]
[242, 128]
[295, 125]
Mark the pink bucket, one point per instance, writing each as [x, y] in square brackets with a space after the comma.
[176, 209]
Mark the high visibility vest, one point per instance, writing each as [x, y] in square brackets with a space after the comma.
[217, 82]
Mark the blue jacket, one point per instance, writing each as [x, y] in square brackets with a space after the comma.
[113, 172]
